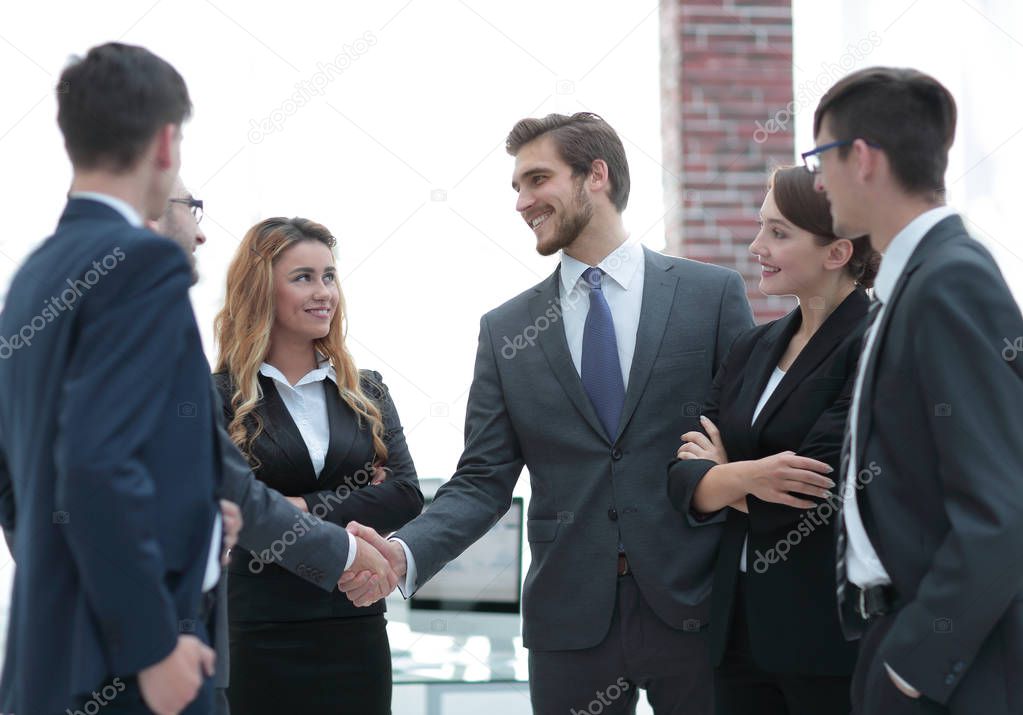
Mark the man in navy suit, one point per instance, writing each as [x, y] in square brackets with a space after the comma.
[115, 527]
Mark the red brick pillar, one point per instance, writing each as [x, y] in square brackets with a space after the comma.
[727, 100]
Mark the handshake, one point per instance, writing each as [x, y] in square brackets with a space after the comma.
[378, 566]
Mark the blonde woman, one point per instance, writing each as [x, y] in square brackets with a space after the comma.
[327, 436]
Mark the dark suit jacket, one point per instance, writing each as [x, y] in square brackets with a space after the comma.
[941, 425]
[792, 616]
[261, 590]
[527, 407]
[111, 518]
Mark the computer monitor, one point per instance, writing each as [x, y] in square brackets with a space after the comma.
[479, 593]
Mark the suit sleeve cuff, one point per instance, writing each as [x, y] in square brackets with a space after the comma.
[409, 587]
[353, 547]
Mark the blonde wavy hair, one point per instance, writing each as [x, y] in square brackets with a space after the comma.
[243, 327]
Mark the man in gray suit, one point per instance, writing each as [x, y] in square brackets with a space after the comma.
[588, 379]
[321, 550]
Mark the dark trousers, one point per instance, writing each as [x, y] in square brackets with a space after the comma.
[873, 690]
[743, 688]
[324, 667]
[639, 651]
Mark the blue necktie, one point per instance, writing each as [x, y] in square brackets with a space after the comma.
[601, 370]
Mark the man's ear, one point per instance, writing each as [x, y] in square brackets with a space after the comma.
[869, 160]
[166, 146]
[599, 174]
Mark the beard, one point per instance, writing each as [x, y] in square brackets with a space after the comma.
[570, 225]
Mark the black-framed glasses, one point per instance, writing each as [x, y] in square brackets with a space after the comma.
[812, 158]
[194, 204]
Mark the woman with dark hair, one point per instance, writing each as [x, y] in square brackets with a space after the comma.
[327, 436]
[773, 427]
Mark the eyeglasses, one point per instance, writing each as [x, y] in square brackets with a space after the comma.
[812, 158]
[194, 204]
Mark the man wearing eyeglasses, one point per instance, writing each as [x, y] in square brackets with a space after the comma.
[930, 537]
[180, 222]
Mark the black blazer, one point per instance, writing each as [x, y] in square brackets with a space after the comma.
[793, 619]
[108, 441]
[261, 590]
[941, 427]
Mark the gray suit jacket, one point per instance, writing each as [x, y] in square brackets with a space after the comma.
[318, 555]
[527, 407]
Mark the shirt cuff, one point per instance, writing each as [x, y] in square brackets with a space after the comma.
[901, 682]
[409, 587]
[353, 547]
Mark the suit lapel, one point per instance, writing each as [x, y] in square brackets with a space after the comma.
[944, 230]
[344, 427]
[761, 363]
[659, 284]
[555, 348]
[829, 336]
[285, 432]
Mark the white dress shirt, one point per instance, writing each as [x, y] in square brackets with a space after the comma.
[772, 384]
[862, 565]
[306, 402]
[625, 266]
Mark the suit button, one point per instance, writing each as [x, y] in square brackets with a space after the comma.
[612, 514]
[949, 679]
[616, 454]
[958, 666]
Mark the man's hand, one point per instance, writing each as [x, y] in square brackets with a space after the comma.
[170, 685]
[357, 583]
[775, 476]
[232, 516]
[905, 688]
[371, 576]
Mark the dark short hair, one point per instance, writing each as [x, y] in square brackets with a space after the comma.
[111, 103]
[581, 139]
[808, 209]
[909, 114]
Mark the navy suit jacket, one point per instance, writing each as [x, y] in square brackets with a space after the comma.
[109, 467]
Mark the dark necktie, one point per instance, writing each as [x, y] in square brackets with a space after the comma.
[601, 369]
[847, 457]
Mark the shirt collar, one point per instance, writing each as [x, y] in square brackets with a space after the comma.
[620, 265]
[901, 248]
[120, 206]
[324, 371]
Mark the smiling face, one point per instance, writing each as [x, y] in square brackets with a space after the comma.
[552, 202]
[306, 294]
[792, 263]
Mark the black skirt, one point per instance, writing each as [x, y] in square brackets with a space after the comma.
[322, 667]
